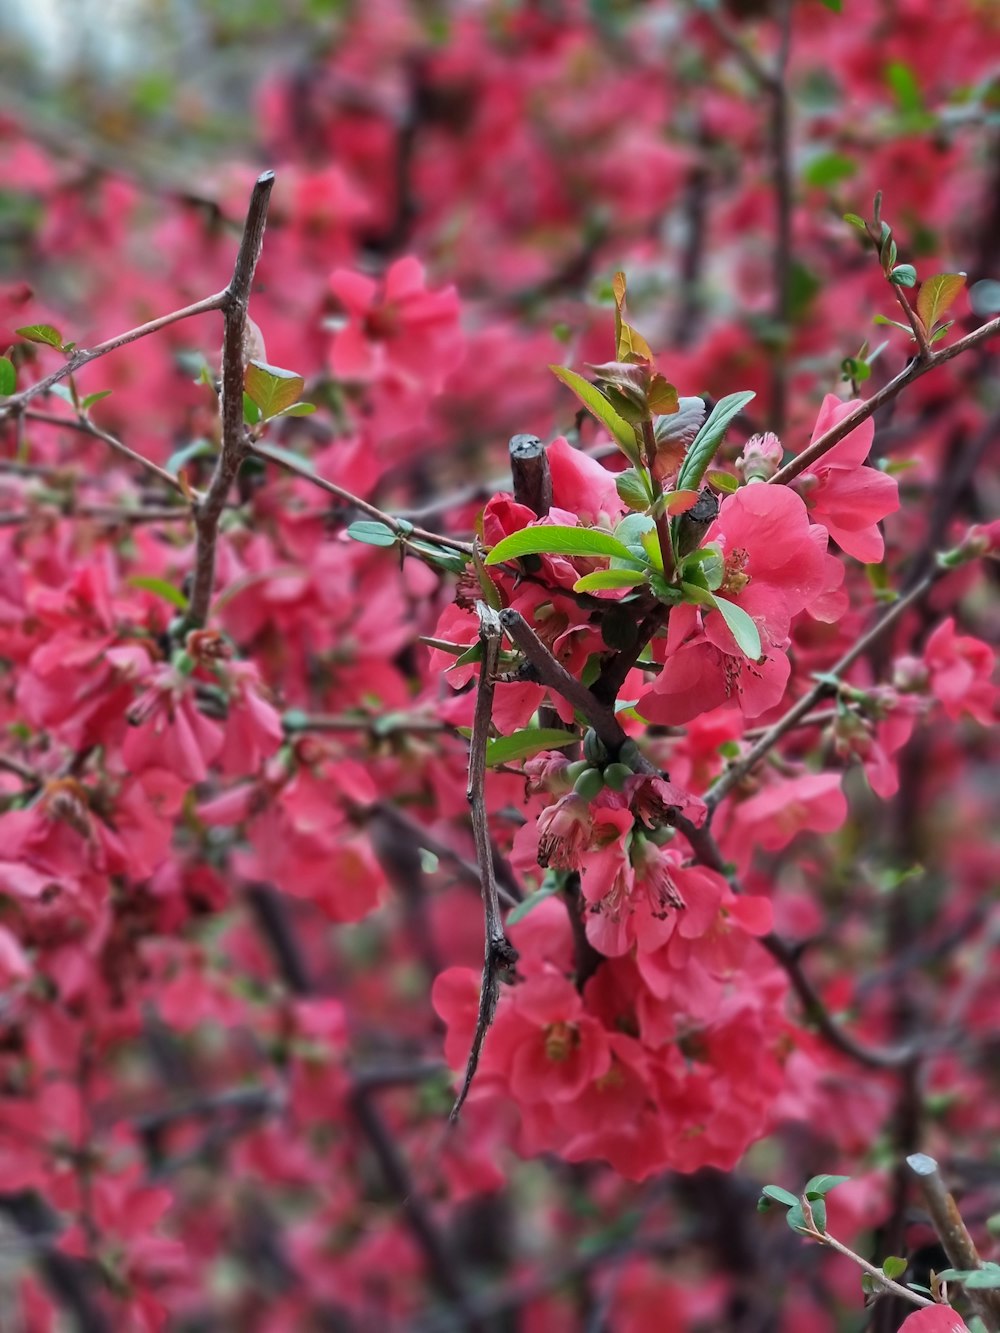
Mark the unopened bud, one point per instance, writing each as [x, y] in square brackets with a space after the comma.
[761, 457]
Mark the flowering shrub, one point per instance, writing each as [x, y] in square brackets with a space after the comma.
[709, 670]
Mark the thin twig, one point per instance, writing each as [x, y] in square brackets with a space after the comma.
[738, 770]
[87, 427]
[83, 355]
[500, 955]
[402, 528]
[235, 445]
[803, 461]
[919, 332]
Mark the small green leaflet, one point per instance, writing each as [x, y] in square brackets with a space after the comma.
[8, 377]
[743, 629]
[93, 398]
[373, 533]
[936, 295]
[817, 1186]
[594, 401]
[609, 578]
[272, 389]
[709, 438]
[780, 1195]
[903, 275]
[41, 333]
[550, 539]
[524, 744]
[160, 588]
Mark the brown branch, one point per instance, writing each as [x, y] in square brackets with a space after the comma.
[738, 770]
[529, 467]
[958, 1245]
[555, 675]
[500, 954]
[801, 462]
[234, 446]
[83, 355]
[87, 427]
[402, 528]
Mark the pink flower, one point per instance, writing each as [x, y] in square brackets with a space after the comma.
[848, 498]
[553, 1051]
[960, 670]
[934, 1319]
[775, 565]
[404, 333]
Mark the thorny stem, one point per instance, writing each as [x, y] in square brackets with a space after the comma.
[803, 461]
[499, 953]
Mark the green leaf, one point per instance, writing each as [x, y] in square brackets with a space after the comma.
[41, 333]
[297, 410]
[161, 588]
[820, 1185]
[523, 744]
[855, 221]
[904, 85]
[632, 489]
[178, 459]
[522, 909]
[883, 319]
[796, 1219]
[984, 1279]
[937, 294]
[723, 481]
[609, 578]
[595, 402]
[709, 438]
[271, 388]
[894, 1267]
[8, 377]
[251, 412]
[903, 275]
[373, 533]
[829, 169]
[470, 656]
[743, 629]
[780, 1195]
[550, 539]
[834, 6]
[93, 398]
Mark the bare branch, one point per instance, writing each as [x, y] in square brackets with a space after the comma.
[954, 1236]
[499, 954]
[803, 461]
[403, 529]
[235, 445]
[83, 355]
